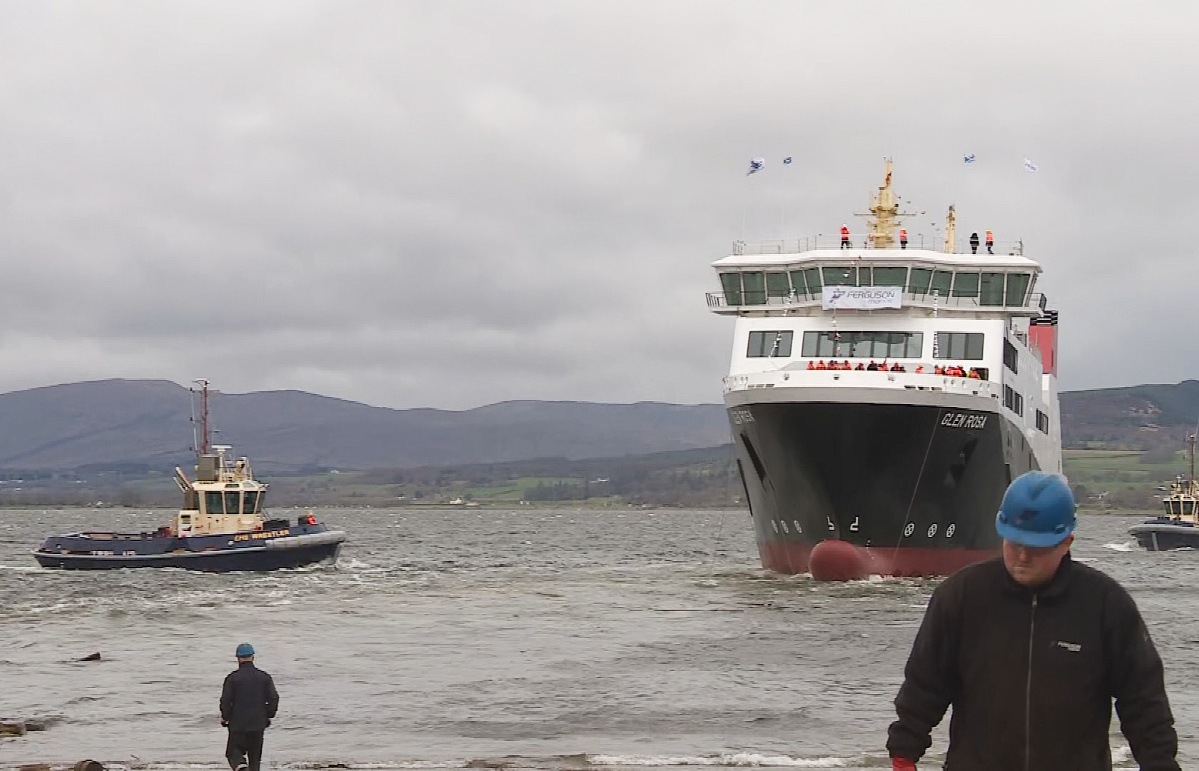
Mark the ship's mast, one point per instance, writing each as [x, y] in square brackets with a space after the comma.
[884, 217]
[202, 441]
[950, 230]
[1192, 438]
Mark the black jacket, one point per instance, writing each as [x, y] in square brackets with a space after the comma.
[1031, 675]
[248, 698]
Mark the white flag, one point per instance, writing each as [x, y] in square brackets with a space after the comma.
[1029, 165]
[755, 165]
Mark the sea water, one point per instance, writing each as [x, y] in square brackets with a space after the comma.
[568, 639]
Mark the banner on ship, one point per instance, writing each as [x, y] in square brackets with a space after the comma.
[862, 297]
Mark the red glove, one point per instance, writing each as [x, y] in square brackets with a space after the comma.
[902, 764]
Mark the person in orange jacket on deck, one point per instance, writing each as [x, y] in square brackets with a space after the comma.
[903, 238]
[821, 365]
[811, 364]
[844, 237]
[990, 242]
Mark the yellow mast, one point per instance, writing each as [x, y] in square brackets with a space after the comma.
[950, 231]
[884, 216]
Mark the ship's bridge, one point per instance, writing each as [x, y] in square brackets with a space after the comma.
[792, 275]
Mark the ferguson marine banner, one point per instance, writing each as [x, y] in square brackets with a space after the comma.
[862, 297]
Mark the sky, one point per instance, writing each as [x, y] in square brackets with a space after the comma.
[450, 204]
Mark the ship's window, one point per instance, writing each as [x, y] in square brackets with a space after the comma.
[890, 276]
[1017, 288]
[919, 281]
[812, 278]
[776, 285]
[862, 345]
[840, 275]
[233, 503]
[772, 344]
[965, 284]
[1010, 356]
[958, 345]
[214, 502]
[1013, 400]
[941, 281]
[754, 287]
[253, 501]
[990, 289]
[731, 282]
[797, 284]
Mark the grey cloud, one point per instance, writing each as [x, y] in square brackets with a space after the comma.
[449, 204]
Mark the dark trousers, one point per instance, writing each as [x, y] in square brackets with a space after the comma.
[243, 747]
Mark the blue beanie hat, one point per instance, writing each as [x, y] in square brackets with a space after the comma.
[245, 651]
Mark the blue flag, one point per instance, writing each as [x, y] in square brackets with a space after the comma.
[787, 161]
[755, 166]
[969, 158]
[1029, 165]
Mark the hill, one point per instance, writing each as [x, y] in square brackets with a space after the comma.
[127, 425]
[1142, 417]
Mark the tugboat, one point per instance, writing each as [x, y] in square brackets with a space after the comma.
[222, 526]
[1179, 528]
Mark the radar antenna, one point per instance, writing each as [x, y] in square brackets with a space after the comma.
[884, 217]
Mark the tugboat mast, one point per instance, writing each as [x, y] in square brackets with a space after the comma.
[202, 442]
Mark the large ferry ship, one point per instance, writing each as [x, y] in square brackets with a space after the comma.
[883, 394]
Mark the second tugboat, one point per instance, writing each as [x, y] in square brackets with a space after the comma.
[222, 526]
[1179, 527]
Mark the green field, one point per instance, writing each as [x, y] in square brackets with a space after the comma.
[1121, 479]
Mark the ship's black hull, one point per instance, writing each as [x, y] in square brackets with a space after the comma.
[911, 489]
[292, 547]
[1164, 534]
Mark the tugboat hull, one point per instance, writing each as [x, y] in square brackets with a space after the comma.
[1165, 535]
[213, 554]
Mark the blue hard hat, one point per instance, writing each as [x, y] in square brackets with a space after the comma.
[1037, 510]
[245, 651]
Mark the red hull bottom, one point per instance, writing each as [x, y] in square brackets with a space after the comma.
[834, 560]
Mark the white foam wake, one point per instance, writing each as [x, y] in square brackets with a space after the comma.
[737, 759]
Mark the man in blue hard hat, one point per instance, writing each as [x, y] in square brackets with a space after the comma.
[1031, 648]
[248, 702]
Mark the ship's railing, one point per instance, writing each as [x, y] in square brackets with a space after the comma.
[931, 243]
[758, 300]
[910, 381]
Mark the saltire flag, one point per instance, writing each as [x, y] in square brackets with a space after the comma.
[755, 166]
[787, 161]
[1029, 165]
[968, 158]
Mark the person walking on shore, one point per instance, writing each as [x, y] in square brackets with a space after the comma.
[1031, 648]
[248, 702]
